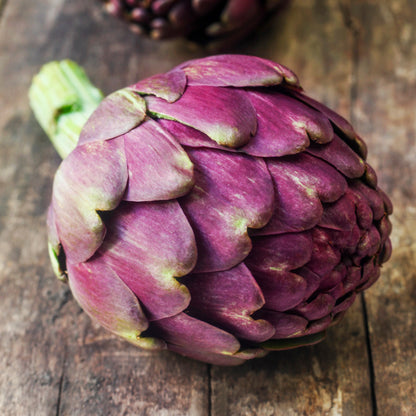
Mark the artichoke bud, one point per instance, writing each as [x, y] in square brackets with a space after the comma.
[216, 211]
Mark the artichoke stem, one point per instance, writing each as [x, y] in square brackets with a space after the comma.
[62, 98]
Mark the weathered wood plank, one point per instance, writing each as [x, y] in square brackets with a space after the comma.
[384, 110]
[53, 360]
[331, 378]
[104, 376]
[30, 356]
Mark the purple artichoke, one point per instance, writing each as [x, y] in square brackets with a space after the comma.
[215, 211]
[203, 21]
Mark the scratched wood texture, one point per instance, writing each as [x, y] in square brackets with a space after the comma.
[359, 57]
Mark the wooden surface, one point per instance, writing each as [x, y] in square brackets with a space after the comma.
[359, 57]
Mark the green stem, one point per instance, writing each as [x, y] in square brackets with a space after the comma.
[62, 98]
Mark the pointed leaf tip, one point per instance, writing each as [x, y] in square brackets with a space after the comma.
[169, 86]
[118, 113]
[159, 168]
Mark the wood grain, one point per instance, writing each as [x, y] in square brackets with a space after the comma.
[357, 56]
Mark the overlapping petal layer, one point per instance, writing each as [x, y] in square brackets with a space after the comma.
[158, 167]
[92, 178]
[237, 71]
[148, 245]
[212, 111]
[231, 193]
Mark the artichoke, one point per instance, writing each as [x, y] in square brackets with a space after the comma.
[203, 21]
[214, 210]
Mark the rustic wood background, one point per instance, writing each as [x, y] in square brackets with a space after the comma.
[359, 57]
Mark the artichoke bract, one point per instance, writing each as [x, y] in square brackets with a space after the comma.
[203, 21]
[214, 210]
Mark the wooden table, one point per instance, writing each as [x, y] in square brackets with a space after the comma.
[359, 57]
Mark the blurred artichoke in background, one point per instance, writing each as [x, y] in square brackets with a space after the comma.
[202, 21]
[214, 210]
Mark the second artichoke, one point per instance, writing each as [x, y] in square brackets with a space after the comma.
[208, 22]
